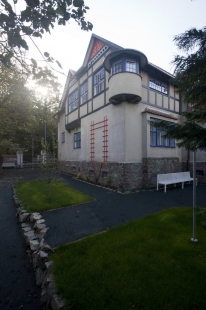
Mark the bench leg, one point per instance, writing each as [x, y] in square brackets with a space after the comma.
[157, 186]
[165, 188]
[182, 185]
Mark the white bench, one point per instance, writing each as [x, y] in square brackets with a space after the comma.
[8, 165]
[173, 178]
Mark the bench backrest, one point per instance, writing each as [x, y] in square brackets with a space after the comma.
[166, 177]
[173, 176]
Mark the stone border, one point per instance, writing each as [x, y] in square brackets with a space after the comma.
[34, 229]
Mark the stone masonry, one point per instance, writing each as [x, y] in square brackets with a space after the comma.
[123, 176]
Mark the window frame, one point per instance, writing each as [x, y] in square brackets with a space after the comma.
[77, 140]
[98, 81]
[157, 135]
[73, 101]
[124, 67]
[128, 65]
[84, 93]
[158, 85]
[63, 137]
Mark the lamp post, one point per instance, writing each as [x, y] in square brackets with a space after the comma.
[45, 133]
[194, 239]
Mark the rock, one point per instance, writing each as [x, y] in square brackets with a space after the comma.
[30, 235]
[23, 211]
[18, 211]
[37, 261]
[24, 217]
[16, 201]
[41, 221]
[49, 266]
[25, 225]
[43, 296]
[35, 217]
[34, 245]
[40, 274]
[43, 255]
[51, 290]
[39, 227]
[42, 233]
[26, 229]
[57, 303]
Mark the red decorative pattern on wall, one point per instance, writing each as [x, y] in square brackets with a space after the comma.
[97, 46]
[94, 126]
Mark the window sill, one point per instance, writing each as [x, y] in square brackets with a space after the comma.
[168, 147]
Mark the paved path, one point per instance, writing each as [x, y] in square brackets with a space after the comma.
[111, 209]
[17, 281]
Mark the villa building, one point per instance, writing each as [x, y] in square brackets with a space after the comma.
[104, 130]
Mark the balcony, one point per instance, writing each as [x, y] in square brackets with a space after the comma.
[125, 82]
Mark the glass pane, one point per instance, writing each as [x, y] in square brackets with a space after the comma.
[153, 138]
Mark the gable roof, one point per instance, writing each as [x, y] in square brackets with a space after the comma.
[95, 46]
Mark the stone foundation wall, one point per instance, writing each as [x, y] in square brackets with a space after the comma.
[129, 176]
[200, 170]
[154, 166]
[118, 175]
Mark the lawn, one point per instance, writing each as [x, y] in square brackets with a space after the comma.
[149, 263]
[34, 195]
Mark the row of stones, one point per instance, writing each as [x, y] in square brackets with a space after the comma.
[33, 229]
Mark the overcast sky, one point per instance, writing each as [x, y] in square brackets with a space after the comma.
[146, 25]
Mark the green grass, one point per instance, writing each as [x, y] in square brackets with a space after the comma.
[149, 263]
[34, 195]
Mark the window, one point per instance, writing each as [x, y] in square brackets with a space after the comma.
[63, 137]
[125, 65]
[117, 67]
[83, 93]
[77, 140]
[157, 136]
[131, 66]
[158, 85]
[73, 101]
[99, 82]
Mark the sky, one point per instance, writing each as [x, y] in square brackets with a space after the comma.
[146, 25]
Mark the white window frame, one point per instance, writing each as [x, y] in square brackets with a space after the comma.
[158, 85]
[83, 93]
[98, 82]
[131, 66]
[117, 67]
[73, 101]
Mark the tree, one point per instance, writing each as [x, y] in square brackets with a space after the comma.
[29, 19]
[23, 112]
[190, 80]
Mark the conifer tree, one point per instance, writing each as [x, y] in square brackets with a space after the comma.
[190, 80]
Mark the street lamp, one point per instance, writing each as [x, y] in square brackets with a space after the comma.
[45, 133]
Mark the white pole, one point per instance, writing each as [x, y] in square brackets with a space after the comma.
[193, 239]
[45, 133]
